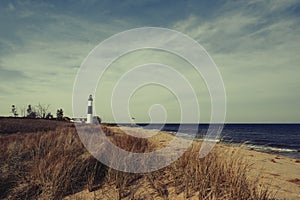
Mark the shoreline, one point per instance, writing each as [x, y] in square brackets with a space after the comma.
[247, 146]
[281, 151]
[280, 173]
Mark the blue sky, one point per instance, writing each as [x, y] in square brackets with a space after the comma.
[256, 45]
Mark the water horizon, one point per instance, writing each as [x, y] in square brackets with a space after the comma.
[275, 138]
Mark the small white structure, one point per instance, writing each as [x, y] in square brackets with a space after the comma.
[133, 121]
[89, 118]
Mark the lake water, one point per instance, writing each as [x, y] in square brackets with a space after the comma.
[283, 139]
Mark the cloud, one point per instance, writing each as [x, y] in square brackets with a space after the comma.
[10, 7]
[11, 75]
[40, 48]
[254, 43]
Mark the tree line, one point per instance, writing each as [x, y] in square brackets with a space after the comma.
[37, 111]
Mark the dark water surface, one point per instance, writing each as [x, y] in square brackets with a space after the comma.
[283, 139]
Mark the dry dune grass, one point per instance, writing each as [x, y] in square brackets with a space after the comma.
[55, 164]
[220, 175]
[47, 165]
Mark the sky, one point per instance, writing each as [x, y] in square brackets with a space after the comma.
[255, 44]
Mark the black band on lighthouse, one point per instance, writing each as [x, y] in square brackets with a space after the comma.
[90, 110]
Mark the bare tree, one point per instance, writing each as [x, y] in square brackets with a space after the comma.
[42, 110]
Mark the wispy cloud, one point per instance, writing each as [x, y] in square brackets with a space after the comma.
[254, 43]
[11, 75]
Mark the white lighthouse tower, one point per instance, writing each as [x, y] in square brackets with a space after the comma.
[89, 118]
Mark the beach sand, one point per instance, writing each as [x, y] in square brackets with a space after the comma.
[280, 174]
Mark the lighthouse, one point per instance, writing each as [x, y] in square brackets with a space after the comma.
[89, 118]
